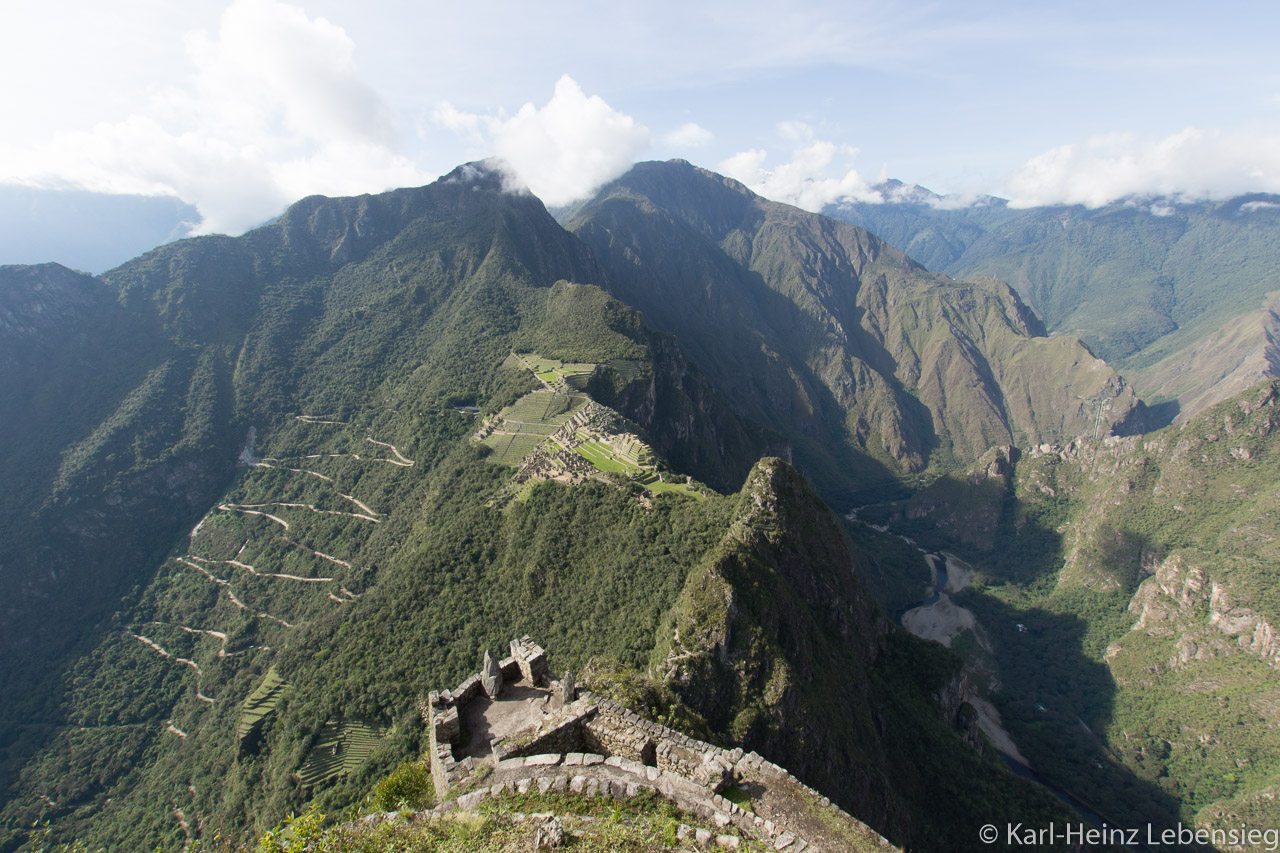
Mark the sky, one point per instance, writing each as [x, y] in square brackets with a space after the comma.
[241, 107]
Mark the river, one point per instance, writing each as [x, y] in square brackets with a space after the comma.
[937, 617]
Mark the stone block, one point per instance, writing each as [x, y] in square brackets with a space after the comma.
[549, 760]
[630, 766]
[490, 676]
[470, 801]
[728, 842]
[577, 784]
[448, 725]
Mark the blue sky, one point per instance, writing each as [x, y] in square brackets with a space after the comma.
[242, 107]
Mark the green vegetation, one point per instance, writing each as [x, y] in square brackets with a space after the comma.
[339, 749]
[1124, 587]
[1139, 283]
[560, 376]
[534, 424]
[834, 338]
[527, 423]
[348, 356]
[645, 823]
[259, 705]
[408, 787]
[272, 483]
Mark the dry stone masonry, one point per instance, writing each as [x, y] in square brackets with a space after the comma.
[536, 732]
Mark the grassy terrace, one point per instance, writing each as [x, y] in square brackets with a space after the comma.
[261, 702]
[532, 419]
[563, 376]
[339, 749]
[527, 423]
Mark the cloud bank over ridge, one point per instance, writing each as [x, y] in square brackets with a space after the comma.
[562, 151]
[243, 106]
[273, 110]
[1192, 164]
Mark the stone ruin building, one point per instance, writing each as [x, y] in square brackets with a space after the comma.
[514, 726]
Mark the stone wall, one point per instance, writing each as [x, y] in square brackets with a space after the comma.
[595, 732]
[599, 776]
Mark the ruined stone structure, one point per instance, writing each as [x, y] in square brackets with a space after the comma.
[534, 730]
[559, 464]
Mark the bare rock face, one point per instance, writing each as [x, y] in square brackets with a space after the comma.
[549, 836]
[1182, 600]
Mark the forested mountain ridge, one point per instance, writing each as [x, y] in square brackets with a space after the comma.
[1147, 283]
[871, 366]
[259, 525]
[200, 347]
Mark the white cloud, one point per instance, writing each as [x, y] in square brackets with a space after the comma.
[689, 135]
[562, 151]
[807, 180]
[274, 110]
[1191, 164]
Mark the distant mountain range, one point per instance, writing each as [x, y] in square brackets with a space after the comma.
[261, 493]
[1150, 285]
[850, 348]
[247, 469]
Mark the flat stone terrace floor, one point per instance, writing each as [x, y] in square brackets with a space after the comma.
[519, 707]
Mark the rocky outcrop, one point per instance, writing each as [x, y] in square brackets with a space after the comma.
[1182, 601]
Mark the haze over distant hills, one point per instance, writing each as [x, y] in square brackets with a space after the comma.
[85, 230]
[1151, 285]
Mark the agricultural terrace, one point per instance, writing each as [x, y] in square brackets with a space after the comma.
[526, 423]
[339, 749]
[261, 703]
[535, 418]
[556, 375]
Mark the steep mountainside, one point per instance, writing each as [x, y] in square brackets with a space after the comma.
[1237, 355]
[1126, 593]
[259, 522]
[1140, 281]
[337, 342]
[834, 337]
[775, 644]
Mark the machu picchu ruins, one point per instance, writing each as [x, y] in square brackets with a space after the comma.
[558, 432]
